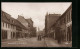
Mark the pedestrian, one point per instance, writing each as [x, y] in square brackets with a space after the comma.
[38, 37]
[58, 34]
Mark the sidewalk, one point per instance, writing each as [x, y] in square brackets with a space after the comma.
[10, 40]
[53, 43]
[24, 42]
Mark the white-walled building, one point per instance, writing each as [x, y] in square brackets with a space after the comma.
[10, 27]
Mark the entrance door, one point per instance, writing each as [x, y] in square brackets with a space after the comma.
[69, 32]
[4, 34]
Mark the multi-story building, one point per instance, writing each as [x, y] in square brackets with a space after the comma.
[10, 27]
[68, 14]
[50, 19]
[34, 32]
[22, 20]
[21, 30]
[65, 24]
[28, 23]
[32, 29]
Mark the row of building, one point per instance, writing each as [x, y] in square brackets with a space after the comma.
[16, 28]
[59, 25]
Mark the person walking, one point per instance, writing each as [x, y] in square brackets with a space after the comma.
[58, 34]
[38, 37]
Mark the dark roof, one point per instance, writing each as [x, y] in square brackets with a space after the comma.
[67, 9]
[29, 20]
[3, 17]
[7, 18]
[54, 14]
[19, 24]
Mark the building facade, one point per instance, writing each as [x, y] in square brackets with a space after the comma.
[50, 19]
[32, 29]
[64, 22]
[28, 23]
[10, 27]
[68, 15]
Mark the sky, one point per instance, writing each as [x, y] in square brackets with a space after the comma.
[34, 10]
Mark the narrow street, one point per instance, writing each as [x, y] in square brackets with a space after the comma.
[36, 24]
[29, 42]
[33, 42]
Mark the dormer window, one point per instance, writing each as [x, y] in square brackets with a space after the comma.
[9, 19]
[28, 26]
[12, 21]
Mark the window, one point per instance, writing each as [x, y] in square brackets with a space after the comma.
[67, 18]
[11, 26]
[9, 20]
[6, 25]
[61, 22]
[3, 24]
[14, 27]
[11, 35]
[4, 34]
[64, 20]
[69, 15]
[58, 23]
[12, 21]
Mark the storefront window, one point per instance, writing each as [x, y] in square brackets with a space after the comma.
[4, 34]
[3, 24]
[6, 25]
[68, 17]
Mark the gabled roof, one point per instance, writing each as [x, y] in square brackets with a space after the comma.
[67, 9]
[29, 20]
[19, 24]
[7, 18]
[3, 17]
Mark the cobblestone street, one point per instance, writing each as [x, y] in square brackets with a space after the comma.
[33, 42]
[36, 24]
